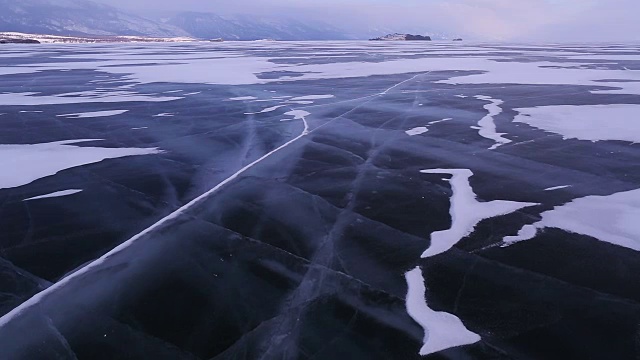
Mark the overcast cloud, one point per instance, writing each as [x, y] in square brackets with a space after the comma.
[538, 20]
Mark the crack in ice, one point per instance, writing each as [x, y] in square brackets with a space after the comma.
[34, 300]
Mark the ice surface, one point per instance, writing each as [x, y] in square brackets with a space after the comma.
[487, 128]
[244, 69]
[257, 70]
[442, 330]
[55, 194]
[613, 219]
[24, 164]
[33, 301]
[466, 211]
[586, 122]
[94, 114]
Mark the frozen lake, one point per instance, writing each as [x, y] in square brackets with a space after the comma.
[327, 200]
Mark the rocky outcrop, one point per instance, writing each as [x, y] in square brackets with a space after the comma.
[402, 37]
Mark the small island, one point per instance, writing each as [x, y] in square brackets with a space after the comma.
[402, 37]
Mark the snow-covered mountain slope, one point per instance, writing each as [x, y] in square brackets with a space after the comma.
[208, 25]
[77, 17]
[86, 18]
[18, 37]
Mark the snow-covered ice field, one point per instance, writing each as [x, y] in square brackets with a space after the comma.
[329, 200]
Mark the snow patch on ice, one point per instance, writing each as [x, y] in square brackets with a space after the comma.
[269, 109]
[300, 102]
[442, 330]
[94, 114]
[297, 114]
[243, 67]
[466, 211]
[487, 127]
[312, 97]
[243, 98]
[612, 219]
[585, 122]
[31, 162]
[417, 131]
[33, 99]
[55, 194]
[527, 232]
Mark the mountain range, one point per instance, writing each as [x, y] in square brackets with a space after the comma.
[87, 18]
[77, 18]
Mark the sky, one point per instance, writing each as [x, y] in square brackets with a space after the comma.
[507, 20]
